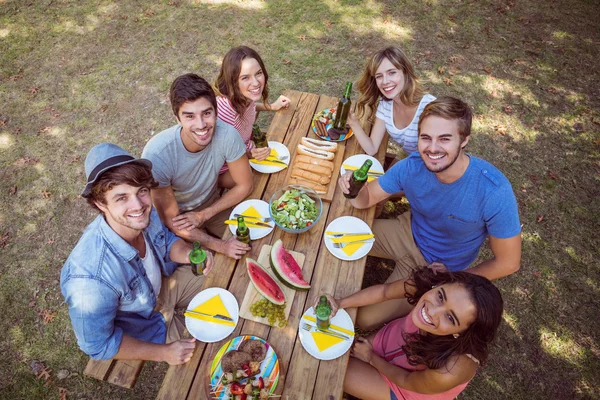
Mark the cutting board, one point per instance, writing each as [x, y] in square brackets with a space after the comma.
[337, 163]
[253, 296]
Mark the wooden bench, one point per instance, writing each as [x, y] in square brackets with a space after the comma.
[122, 373]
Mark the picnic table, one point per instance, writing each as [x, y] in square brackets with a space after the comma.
[301, 375]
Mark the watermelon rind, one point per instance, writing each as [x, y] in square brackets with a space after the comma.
[277, 267]
[268, 281]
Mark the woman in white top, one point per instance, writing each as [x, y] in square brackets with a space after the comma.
[389, 76]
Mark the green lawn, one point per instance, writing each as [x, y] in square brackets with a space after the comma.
[77, 73]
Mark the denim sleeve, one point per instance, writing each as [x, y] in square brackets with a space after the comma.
[93, 308]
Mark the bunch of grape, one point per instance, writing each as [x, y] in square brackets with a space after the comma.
[265, 309]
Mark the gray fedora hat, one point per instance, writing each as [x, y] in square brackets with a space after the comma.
[103, 157]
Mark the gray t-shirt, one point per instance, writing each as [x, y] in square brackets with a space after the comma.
[193, 176]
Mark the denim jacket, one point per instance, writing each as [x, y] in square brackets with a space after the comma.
[105, 285]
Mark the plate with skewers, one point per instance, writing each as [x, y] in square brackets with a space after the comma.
[245, 365]
[322, 126]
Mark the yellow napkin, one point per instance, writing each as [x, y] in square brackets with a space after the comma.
[332, 327]
[324, 341]
[248, 223]
[352, 238]
[273, 153]
[267, 162]
[213, 306]
[252, 212]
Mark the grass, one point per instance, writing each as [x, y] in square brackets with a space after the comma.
[74, 74]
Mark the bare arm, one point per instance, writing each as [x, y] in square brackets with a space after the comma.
[370, 144]
[175, 353]
[506, 260]
[282, 102]
[370, 194]
[374, 294]
[167, 208]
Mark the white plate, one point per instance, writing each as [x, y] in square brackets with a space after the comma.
[341, 319]
[269, 169]
[358, 160]
[210, 332]
[263, 208]
[347, 224]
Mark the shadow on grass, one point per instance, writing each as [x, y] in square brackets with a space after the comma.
[102, 71]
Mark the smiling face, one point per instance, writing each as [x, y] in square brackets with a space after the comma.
[127, 209]
[445, 310]
[439, 143]
[390, 80]
[251, 80]
[197, 119]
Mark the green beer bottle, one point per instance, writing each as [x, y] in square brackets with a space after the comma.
[358, 179]
[343, 108]
[323, 313]
[242, 232]
[198, 259]
[259, 137]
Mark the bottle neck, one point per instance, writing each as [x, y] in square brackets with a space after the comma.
[348, 90]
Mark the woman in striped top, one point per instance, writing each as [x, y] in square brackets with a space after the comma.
[389, 76]
[433, 352]
[242, 82]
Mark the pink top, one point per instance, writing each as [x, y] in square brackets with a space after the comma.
[242, 122]
[388, 344]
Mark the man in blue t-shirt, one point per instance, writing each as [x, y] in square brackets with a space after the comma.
[457, 200]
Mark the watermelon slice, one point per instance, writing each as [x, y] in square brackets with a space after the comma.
[286, 268]
[264, 283]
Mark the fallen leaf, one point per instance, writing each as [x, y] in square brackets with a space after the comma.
[539, 218]
[578, 126]
[448, 81]
[46, 194]
[302, 37]
[16, 77]
[537, 274]
[47, 315]
[63, 374]
[328, 24]
[441, 35]
[149, 13]
[62, 393]
[27, 161]
[174, 3]
[17, 131]
[44, 129]
[487, 69]
[75, 159]
[50, 241]
[3, 121]
[37, 367]
[501, 129]
[508, 109]
[552, 176]
[441, 70]
[13, 190]
[286, 62]
[44, 373]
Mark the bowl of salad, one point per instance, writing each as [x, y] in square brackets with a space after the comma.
[295, 208]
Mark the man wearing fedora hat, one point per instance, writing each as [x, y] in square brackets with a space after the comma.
[123, 281]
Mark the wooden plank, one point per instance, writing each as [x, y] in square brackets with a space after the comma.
[98, 369]
[125, 373]
[252, 295]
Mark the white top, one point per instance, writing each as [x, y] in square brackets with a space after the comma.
[406, 137]
[152, 268]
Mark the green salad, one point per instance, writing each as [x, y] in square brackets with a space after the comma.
[294, 210]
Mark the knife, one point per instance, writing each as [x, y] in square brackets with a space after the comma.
[267, 160]
[217, 316]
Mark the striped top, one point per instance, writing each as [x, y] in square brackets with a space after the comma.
[406, 137]
[241, 122]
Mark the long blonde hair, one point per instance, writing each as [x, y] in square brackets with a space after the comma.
[411, 93]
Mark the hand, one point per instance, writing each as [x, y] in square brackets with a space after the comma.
[180, 351]
[209, 263]
[362, 349]
[260, 153]
[332, 302]
[352, 120]
[437, 267]
[281, 103]
[344, 182]
[234, 249]
[189, 220]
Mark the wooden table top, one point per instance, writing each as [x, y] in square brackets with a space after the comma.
[301, 375]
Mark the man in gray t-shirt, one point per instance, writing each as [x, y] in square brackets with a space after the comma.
[186, 160]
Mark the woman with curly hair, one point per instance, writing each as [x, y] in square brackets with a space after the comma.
[434, 351]
[390, 85]
[242, 90]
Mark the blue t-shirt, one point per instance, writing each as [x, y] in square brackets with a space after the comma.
[451, 221]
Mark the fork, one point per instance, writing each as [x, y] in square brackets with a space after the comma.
[342, 245]
[339, 235]
[312, 328]
[264, 219]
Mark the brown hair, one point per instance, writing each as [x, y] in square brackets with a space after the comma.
[227, 83]
[190, 87]
[452, 109]
[411, 93]
[434, 351]
[135, 173]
